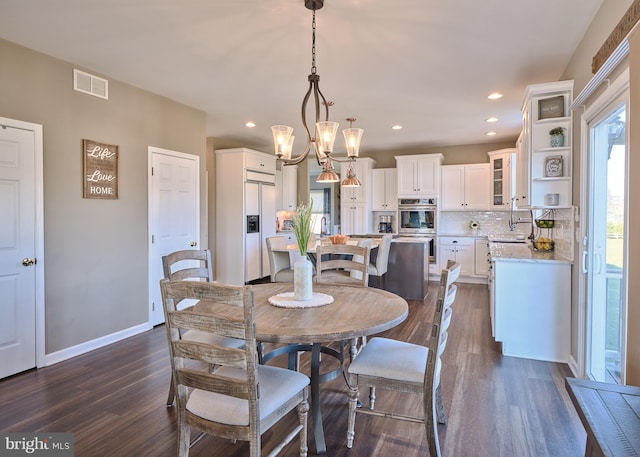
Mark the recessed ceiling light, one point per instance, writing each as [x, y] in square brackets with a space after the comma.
[494, 96]
[396, 127]
[492, 119]
[490, 133]
[250, 124]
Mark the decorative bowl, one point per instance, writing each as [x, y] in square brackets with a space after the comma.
[543, 244]
[545, 223]
[339, 239]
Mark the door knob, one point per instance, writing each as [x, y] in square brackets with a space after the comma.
[27, 262]
[194, 244]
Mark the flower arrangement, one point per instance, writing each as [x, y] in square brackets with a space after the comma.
[302, 226]
[556, 131]
[474, 225]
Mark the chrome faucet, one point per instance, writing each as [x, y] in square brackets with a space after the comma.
[512, 221]
[323, 226]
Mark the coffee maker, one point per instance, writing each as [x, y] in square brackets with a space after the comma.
[385, 224]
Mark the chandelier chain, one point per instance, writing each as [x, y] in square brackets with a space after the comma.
[313, 44]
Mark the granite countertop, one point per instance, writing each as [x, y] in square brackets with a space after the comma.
[522, 252]
[464, 234]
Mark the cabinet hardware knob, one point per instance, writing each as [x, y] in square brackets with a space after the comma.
[193, 244]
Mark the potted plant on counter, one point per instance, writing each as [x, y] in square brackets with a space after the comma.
[557, 137]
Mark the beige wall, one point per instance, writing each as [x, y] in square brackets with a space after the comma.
[633, 335]
[96, 256]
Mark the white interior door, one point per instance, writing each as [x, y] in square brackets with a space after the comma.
[18, 232]
[174, 214]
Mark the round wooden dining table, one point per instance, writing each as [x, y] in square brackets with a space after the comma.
[355, 312]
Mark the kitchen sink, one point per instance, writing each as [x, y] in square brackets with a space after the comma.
[508, 239]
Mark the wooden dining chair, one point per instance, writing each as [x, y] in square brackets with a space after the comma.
[344, 264]
[404, 367]
[241, 399]
[193, 265]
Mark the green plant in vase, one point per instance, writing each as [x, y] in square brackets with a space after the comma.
[557, 137]
[302, 226]
[303, 269]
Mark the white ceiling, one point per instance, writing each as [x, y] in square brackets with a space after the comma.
[425, 64]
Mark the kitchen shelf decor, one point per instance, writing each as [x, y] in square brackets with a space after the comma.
[551, 107]
[544, 165]
[556, 137]
[553, 166]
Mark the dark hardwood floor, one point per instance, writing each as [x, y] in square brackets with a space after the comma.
[113, 400]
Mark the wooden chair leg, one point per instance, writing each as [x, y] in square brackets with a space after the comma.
[353, 404]
[172, 393]
[303, 412]
[432, 417]
[442, 417]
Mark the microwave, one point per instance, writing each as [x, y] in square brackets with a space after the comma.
[417, 216]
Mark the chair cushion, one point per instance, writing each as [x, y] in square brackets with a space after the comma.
[337, 276]
[277, 385]
[209, 338]
[284, 275]
[391, 359]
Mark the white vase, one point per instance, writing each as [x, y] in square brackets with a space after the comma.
[302, 279]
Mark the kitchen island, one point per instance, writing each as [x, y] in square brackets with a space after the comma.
[408, 267]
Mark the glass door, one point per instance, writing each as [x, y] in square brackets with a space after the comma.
[606, 278]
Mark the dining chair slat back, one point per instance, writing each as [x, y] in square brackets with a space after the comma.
[343, 264]
[193, 265]
[240, 399]
[406, 367]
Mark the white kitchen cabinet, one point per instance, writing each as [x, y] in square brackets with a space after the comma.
[523, 180]
[502, 177]
[465, 187]
[532, 309]
[460, 249]
[362, 168]
[418, 175]
[287, 188]
[384, 183]
[546, 106]
[245, 186]
[481, 257]
[355, 202]
[354, 218]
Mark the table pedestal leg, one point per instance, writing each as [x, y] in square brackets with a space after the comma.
[316, 410]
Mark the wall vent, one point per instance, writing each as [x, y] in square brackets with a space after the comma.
[90, 84]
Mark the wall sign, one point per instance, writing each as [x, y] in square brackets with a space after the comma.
[100, 170]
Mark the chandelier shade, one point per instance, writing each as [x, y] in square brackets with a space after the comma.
[325, 130]
[328, 174]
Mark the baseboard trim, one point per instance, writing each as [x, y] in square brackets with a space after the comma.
[83, 348]
[573, 366]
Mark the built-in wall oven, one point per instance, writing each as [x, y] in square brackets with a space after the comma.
[417, 217]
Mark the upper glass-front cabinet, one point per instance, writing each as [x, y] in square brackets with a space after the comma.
[503, 182]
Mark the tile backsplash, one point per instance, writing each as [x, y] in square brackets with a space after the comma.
[497, 223]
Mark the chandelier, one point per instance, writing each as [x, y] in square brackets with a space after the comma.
[325, 130]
